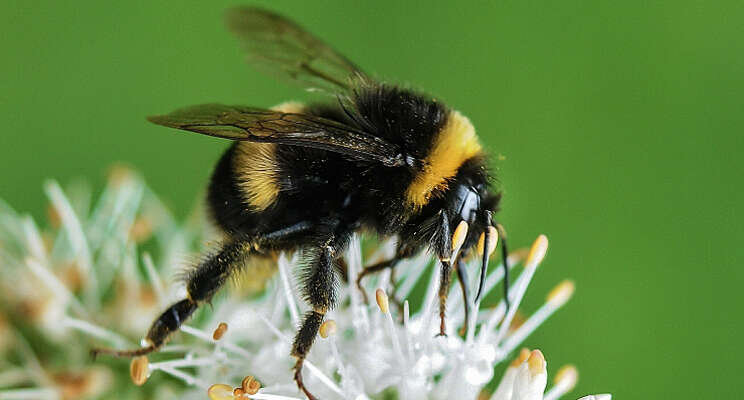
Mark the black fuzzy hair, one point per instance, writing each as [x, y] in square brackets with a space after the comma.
[400, 115]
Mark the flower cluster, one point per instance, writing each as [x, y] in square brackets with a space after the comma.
[84, 277]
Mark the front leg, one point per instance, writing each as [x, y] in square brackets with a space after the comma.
[447, 254]
[444, 283]
[319, 290]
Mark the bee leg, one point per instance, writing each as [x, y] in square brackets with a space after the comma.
[302, 343]
[462, 277]
[319, 290]
[441, 243]
[379, 267]
[393, 294]
[202, 283]
[372, 269]
[401, 253]
[444, 284]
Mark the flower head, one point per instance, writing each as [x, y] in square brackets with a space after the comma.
[86, 276]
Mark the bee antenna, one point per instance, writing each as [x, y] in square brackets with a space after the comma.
[485, 248]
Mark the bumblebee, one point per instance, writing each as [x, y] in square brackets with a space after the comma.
[377, 157]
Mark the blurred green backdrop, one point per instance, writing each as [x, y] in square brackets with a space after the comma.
[620, 124]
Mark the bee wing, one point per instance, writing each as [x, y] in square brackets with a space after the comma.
[261, 125]
[281, 47]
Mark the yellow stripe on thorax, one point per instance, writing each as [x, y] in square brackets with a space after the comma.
[454, 144]
[256, 169]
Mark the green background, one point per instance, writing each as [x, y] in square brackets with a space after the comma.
[620, 123]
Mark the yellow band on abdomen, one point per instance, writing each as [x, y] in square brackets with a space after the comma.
[256, 167]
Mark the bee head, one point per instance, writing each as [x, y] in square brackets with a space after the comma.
[467, 220]
[469, 199]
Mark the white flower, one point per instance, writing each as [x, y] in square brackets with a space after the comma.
[366, 349]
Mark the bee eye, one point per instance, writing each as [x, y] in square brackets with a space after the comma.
[467, 202]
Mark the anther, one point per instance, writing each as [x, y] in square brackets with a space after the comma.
[328, 328]
[561, 293]
[538, 250]
[139, 370]
[220, 331]
[220, 391]
[141, 230]
[382, 300]
[524, 354]
[250, 385]
[119, 174]
[536, 363]
[568, 375]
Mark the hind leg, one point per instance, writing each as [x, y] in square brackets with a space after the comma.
[202, 283]
[319, 290]
[205, 280]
